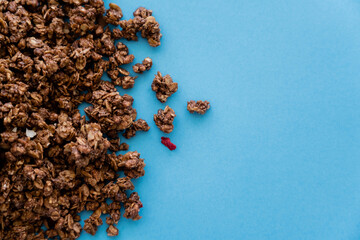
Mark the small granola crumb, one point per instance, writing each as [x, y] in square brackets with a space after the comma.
[200, 106]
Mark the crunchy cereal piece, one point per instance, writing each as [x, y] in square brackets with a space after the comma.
[121, 56]
[138, 125]
[115, 144]
[113, 74]
[131, 27]
[105, 45]
[132, 165]
[124, 147]
[142, 12]
[163, 86]
[33, 42]
[114, 211]
[125, 184]
[113, 15]
[164, 119]
[82, 19]
[145, 66]
[111, 110]
[200, 106]
[123, 80]
[112, 231]
[127, 82]
[117, 33]
[93, 222]
[145, 23]
[132, 207]
[89, 145]
[151, 31]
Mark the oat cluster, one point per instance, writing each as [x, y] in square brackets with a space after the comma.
[164, 119]
[144, 66]
[199, 106]
[53, 163]
[164, 87]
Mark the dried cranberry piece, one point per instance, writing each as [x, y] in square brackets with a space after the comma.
[166, 141]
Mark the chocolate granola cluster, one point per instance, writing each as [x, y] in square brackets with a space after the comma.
[164, 119]
[199, 106]
[144, 66]
[163, 86]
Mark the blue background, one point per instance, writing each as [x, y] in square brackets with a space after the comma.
[277, 156]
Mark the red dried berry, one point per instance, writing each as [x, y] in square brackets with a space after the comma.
[166, 141]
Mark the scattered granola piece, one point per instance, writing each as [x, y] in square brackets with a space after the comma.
[163, 86]
[164, 119]
[112, 231]
[200, 106]
[145, 66]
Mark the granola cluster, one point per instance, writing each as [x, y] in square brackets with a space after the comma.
[199, 106]
[143, 22]
[144, 66]
[164, 119]
[53, 163]
[164, 87]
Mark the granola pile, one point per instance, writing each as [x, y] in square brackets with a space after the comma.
[54, 163]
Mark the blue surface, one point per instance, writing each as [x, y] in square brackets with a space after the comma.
[277, 156]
